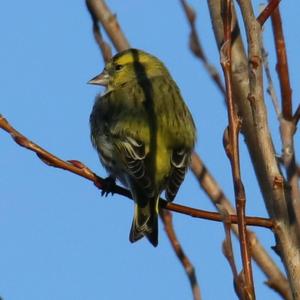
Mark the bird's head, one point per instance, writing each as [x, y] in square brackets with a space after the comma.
[127, 66]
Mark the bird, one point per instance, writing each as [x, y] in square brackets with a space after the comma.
[143, 132]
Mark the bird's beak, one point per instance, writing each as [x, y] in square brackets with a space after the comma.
[101, 79]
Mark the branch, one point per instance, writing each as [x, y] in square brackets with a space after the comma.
[249, 97]
[267, 12]
[270, 89]
[103, 46]
[228, 253]
[196, 47]
[287, 121]
[80, 169]
[277, 198]
[296, 116]
[101, 12]
[166, 217]
[282, 65]
[232, 148]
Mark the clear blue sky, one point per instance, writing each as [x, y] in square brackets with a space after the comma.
[59, 239]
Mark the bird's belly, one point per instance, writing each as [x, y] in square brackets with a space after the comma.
[109, 158]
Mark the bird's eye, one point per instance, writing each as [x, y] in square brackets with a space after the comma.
[118, 67]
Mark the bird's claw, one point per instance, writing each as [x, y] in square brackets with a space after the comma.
[108, 186]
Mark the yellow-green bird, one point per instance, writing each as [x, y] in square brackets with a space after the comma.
[143, 132]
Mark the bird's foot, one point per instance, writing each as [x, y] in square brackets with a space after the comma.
[108, 186]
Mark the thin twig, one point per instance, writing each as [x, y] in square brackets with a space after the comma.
[80, 169]
[166, 217]
[227, 250]
[103, 46]
[287, 124]
[282, 65]
[296, 116]
[270, 89]
[233, 155]
[109, 21]
[197, 49]
[267, 12]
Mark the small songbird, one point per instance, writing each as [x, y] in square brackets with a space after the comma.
[143, 132]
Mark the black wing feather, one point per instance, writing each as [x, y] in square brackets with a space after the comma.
[180, 161]
[134, 155]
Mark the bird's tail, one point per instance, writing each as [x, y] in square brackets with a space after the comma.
[145, 221]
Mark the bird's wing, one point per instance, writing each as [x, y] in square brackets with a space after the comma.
[179, 161]
[133, 154]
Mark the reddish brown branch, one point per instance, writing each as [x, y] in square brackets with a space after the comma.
[282, 65]
[267, 12]
[166, 217]
[197, 49]
[80, 169]
[232, 149]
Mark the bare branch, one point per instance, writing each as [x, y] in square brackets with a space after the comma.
[250, 103]
[267, 12]
[103, 46]
[282, 65]
[101, 12]
[296, 116]
[270, 89]
[166, 217]
[80, 169]
[228, 253]
[196, 47]
[287, 124]
[233, 153]
[277, 199]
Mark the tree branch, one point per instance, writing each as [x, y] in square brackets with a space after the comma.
[232, 150]
[196, 47]
[287, 124]
[267, 12]
[101, 12]
[296, 116]
[166, 217]
[80, 169]
[270, 89]
[103, 46]
[282, 65]
[227, 250]
[276, 196]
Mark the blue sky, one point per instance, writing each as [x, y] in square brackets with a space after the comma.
[59, 238]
